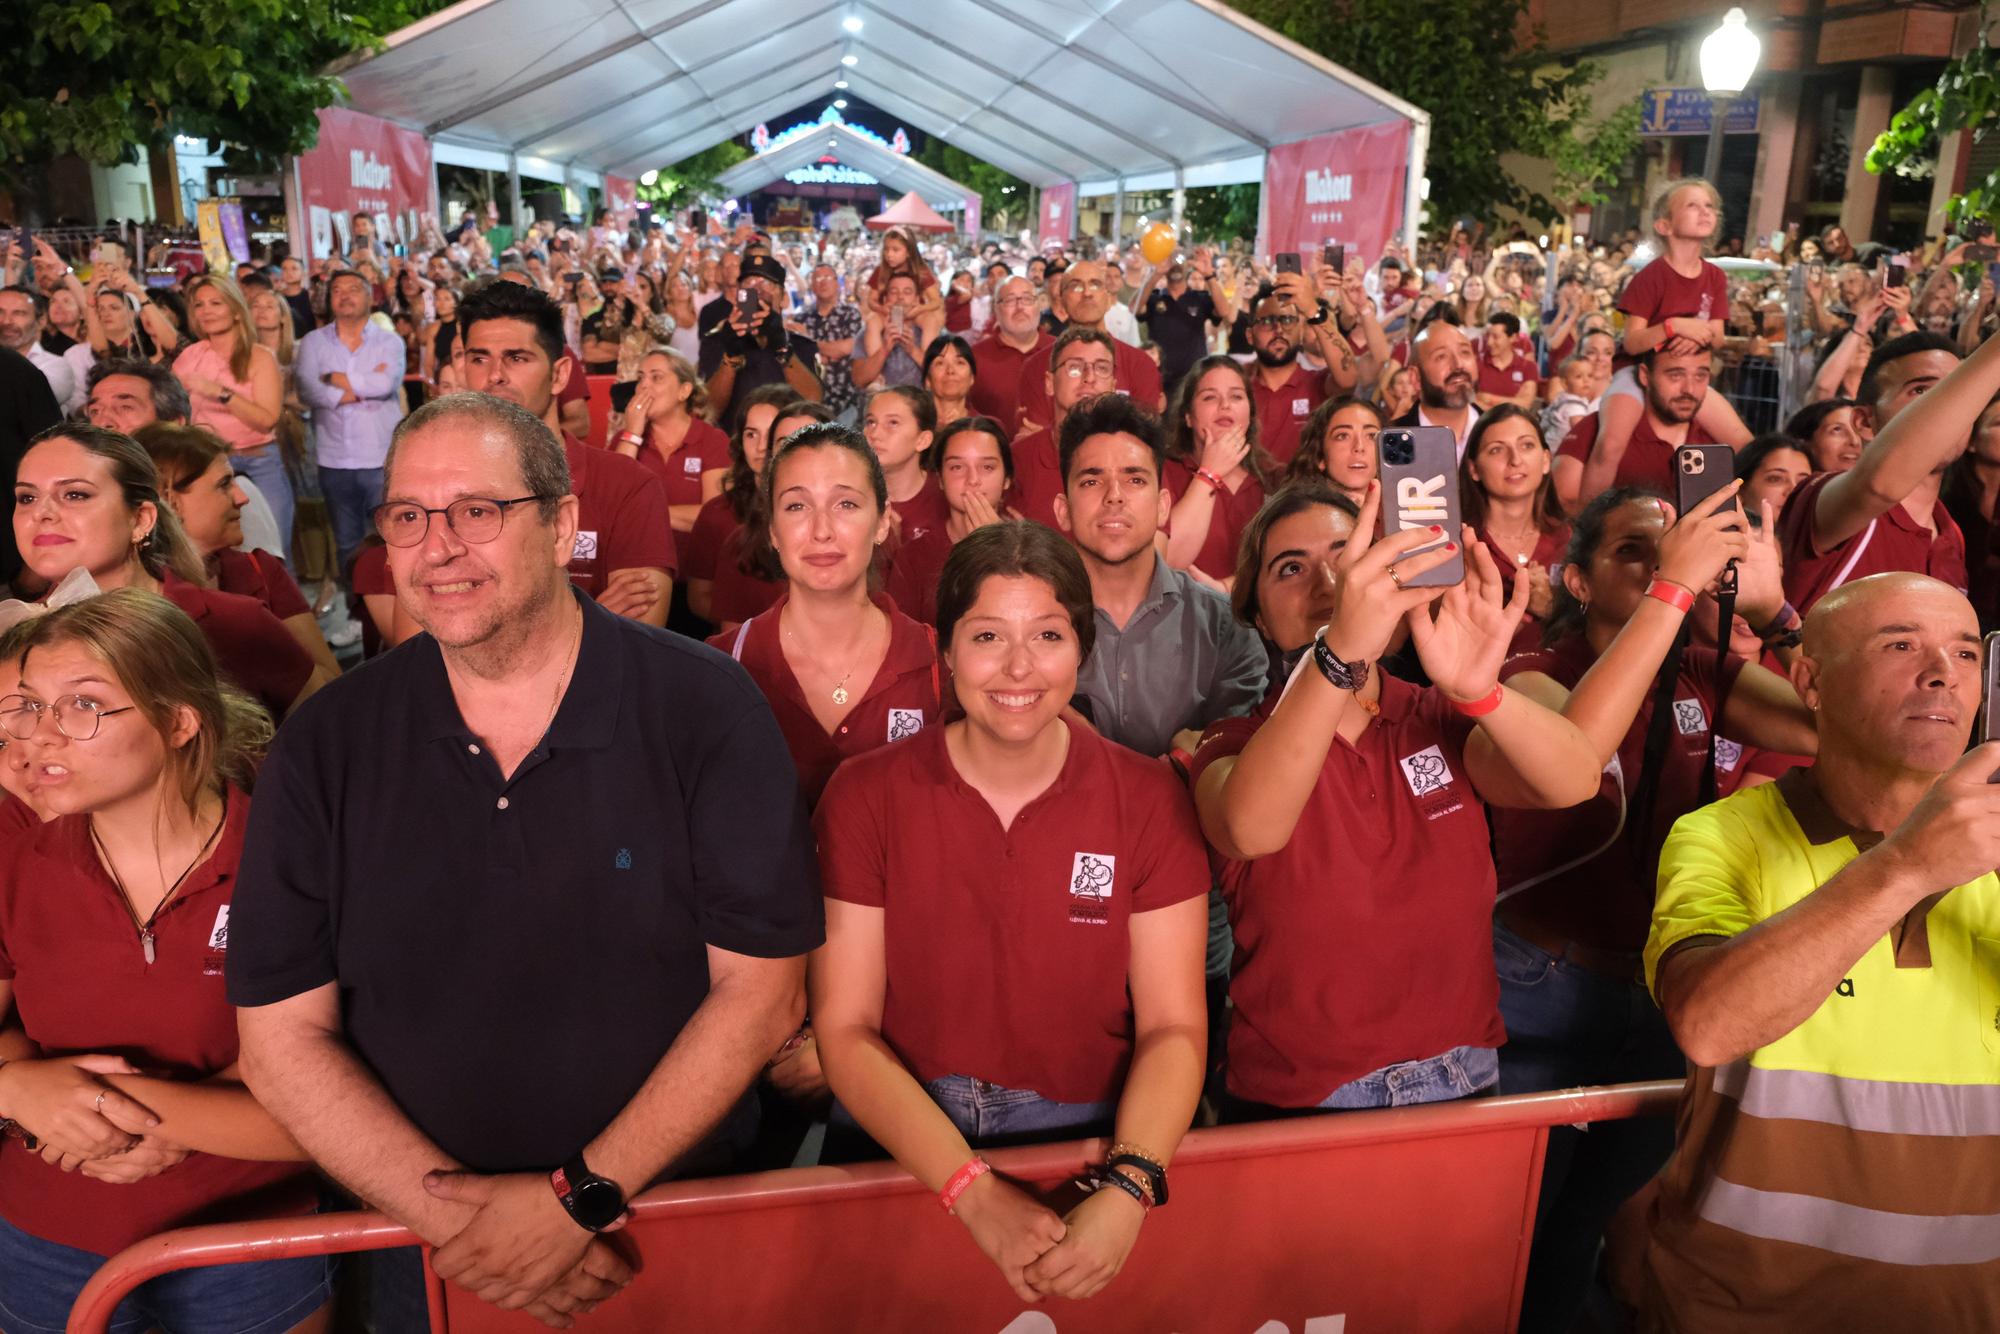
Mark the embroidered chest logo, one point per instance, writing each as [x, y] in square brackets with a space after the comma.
[1728, 754]
[1426, 771]
[622, 861]
[1302, 407]
[691, 466]
[1689, 717]
[585, 548]
[905, 722]
[218, 936]
[1091, 876]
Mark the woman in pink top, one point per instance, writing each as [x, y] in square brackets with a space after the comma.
[236, 389]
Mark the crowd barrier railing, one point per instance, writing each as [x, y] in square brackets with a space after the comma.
[1410, 1219]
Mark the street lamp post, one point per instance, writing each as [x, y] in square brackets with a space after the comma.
[1728, 59]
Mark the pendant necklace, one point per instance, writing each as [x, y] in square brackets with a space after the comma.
[145, 928]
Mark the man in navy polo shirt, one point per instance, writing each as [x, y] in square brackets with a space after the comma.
[524, 907]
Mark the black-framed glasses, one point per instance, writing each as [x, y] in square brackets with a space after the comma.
[76, 717]
[471, 518]
[1275, 322]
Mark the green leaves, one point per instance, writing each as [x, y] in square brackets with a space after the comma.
[99, 77]
[1966, 96]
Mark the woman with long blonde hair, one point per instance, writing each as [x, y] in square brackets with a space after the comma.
[236, 387]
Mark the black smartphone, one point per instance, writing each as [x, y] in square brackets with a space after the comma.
[1288, 262]
[751, 302]
[1699, 472]
[1989, 729]
[1419, 470]
[572, 278]
[1897, 276]
[1335, 258]
[1981, 254]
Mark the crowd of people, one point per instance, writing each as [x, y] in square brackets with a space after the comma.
[849, 693]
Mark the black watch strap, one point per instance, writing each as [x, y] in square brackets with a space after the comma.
[593, 1202]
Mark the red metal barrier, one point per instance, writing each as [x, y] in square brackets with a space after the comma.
[600, 409]
[1410, 1219]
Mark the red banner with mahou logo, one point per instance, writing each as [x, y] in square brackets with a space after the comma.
[363, 164]
[1346, 188]
[1058, 214]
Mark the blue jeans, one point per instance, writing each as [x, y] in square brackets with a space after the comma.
[1458, 1073]
[265, 465]
[40, 1280]
[351, 497]
[986, 1114]
[1569, 1026]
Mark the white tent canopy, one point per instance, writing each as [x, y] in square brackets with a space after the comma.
[898, 171]
[1101, 92]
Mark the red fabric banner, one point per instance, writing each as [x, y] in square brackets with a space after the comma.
[1346, 188]
[1058, 214]
[621, 196]
[363, 164]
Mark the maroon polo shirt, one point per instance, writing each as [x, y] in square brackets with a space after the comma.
[370, 577]
[1548, 554]
[1589, 869]
[922, 512]
[1007, 951]
[914, 574]
[252, 647]
[82, 984]
[1038, 478]
[1508, 382]
[1648, 460]
[1367, 940]
[1231, 514]
[259, 575]
[621, 520]
[1137, 376]
[1895, 541]
[1657, 294]
[713, 550]
[1282, 411]
[705, 448]
[906, 696]
[996, 386]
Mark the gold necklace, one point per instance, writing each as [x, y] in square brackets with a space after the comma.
[840, 695]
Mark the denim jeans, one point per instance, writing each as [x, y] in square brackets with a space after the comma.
[351, 497]
[265, 465]
[988, 1115]
[1458, 1073]
[1569, 1026]
[40, 1280]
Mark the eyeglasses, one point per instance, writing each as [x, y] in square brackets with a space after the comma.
[1084, 370]
[76, 717]
[1275, 322]
[471, 518]
[1084, 285]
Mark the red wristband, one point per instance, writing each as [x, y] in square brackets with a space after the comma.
[1214, 482]
[1680, 599]
[962, 1178]
[1479, 708]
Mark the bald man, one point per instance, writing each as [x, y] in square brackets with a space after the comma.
[1087, 291]
[1447, 379]
[1827, 951]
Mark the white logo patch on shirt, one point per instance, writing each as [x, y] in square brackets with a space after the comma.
[1302, 407]
[1091, 877]
[218, 936]
[905, 722]
[1426, 771]
[1728, 754]
[586, 547]
[691, 466]
[1689, 717]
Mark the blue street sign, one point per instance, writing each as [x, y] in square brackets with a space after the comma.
[1668, 111]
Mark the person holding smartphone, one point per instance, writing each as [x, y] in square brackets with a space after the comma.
[1350, 806]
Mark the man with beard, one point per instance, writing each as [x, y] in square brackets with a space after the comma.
[1016, 338]
[1087, 293]
[1447, 378]
[1675, 383]
[1291, 318]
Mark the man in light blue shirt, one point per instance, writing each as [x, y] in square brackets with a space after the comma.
[350, 373]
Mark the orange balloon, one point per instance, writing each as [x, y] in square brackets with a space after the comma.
[1158, 243]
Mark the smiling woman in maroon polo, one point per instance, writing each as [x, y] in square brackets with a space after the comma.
[1016, 914]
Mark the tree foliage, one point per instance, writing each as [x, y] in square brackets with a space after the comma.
[98, 78]
[1000, 192]
[1477, 67]
[1966, 96]
[1584, 162]
[1222, 212]
[693, 178]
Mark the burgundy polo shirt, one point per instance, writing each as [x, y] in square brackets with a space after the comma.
[1588, 870]
[1895, 541]
[1648, 460]
[1282, 411]
[259, 575]
[1508, 382]
[1548, 554]
[1367, 940]
[82, 984]
[705, 448]
[1231, 514]
[996, 385]
[578, 388]
[621, 521]
[914, 574]
[1007, 951]
[1038, 478]
[1657, 294]
[922, 512]
[906, 696]
[252, 647]
[713, 551]
[1137, 376]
